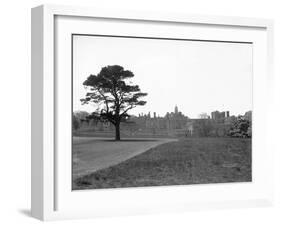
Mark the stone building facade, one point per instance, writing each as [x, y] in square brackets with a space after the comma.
[174, 124]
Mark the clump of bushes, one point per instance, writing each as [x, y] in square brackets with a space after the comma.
[241, 127]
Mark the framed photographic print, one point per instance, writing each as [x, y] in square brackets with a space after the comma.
[137, 112]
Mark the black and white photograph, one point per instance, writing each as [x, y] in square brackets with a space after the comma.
[152, 111]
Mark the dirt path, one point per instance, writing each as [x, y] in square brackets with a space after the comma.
[92, 154]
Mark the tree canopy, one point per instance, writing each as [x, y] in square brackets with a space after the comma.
[241, 127]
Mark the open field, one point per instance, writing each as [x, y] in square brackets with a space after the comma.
[187, 161]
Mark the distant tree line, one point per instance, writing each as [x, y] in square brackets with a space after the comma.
[239, 127]
[78, 117]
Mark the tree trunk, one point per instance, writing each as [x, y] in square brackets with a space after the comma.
[117, 131]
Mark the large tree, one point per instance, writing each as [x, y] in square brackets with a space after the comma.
[114, 95]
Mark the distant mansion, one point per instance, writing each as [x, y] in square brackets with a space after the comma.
[172, 124]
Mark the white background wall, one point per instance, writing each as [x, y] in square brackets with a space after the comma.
[15, 111]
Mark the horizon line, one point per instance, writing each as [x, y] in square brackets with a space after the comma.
[169, 112]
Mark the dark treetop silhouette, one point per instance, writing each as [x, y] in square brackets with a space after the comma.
[113, 95]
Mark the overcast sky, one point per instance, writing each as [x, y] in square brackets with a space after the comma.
[196, 76]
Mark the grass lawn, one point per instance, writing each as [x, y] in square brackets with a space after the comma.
[187, 161]
[92, 154]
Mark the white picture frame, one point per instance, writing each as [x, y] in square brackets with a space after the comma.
[48, 169]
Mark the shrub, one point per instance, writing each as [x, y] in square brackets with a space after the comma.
[241, 127]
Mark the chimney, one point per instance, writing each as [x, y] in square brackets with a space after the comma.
[227, 114]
